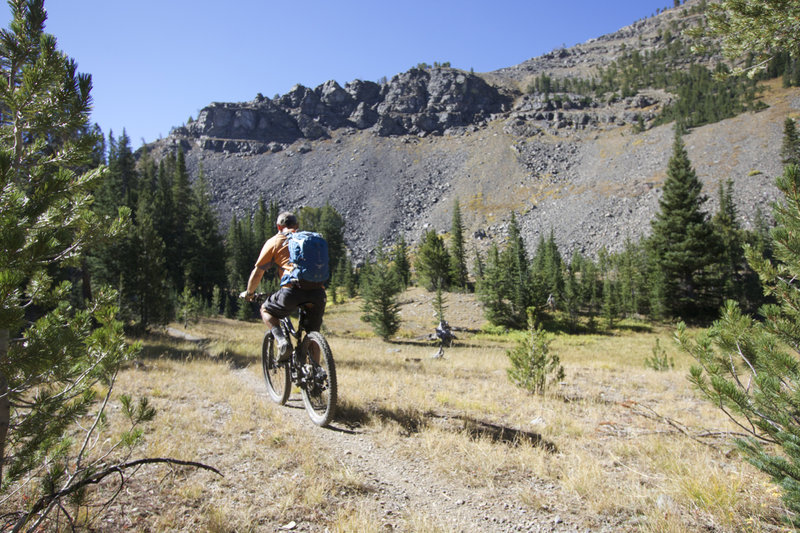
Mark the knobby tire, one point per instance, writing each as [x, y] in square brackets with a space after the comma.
[320, 393]
[276, 374]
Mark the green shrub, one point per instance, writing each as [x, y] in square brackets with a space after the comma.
[533, 367]
[659, 361]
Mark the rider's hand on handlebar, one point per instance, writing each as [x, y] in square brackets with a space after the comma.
[246, 296]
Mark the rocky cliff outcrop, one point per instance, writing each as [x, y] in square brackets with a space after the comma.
[417, 102]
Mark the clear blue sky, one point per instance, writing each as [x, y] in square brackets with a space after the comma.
[155, 63]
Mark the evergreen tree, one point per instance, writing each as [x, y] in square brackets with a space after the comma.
[572, 299]
[684, 247]
[400, 261]
[763, 29]
[478, 266]
[163, 206]
[749, 367]
[458, 263]
[148, 289]
[122, 170]
[533, 366]
[332, 226]
[526, 287]
[346, 277]
[240, 251]
[732, 267]
[433, 262]
[65, 355]
[380, 286]
[610, 307]
[261, 227]
[549, 265]
[633, 278]
[590, 286]
[509, 287]
[205, 255]
[494, 291]
[272, 218]
[790, 147]
[177, 251]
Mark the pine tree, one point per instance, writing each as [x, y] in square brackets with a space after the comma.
[754, 27]
[240, 251]
[65, 355]
[478, 266]
[458, 263]
[177, 251]
[149, 288]
[346, 277]
[509, 287]
[525, 285]
[494, 291]
[732, 266]
[205, 254]
[610, 307]
[684, 247]
[632, 271]
[549, 265]
[260, 224]
[380, 286]
[122, 170]
[790, 147]
[533, 366]
[163, 206]
[749, 367]
[590, 286]
[400, 261]
[433, 262]
[572, 296]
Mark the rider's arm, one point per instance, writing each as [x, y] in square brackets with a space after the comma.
[264, 261]
[255, 279]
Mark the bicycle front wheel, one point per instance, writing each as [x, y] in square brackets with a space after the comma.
[319, 390]
[275, 374]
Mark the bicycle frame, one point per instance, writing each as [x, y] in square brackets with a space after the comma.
[310, 367]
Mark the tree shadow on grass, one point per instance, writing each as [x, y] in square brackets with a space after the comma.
[413, 422]
[561, 323]
[161, 345]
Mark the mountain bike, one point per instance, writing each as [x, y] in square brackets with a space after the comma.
[310, 368]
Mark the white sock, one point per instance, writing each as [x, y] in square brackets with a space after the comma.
[277, 332]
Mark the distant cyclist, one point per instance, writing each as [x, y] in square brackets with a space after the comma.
[294, 291]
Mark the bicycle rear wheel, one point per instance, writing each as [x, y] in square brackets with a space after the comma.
[275, 374]
[319, 390]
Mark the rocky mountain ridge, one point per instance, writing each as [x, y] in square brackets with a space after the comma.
[392, 157]
[417, 102]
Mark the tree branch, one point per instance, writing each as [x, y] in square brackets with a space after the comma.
[48, 499]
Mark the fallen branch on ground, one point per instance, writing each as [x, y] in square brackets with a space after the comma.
[48, 500]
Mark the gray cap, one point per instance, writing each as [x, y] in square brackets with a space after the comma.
[287, 220]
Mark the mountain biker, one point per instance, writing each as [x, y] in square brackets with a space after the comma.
[292, 294]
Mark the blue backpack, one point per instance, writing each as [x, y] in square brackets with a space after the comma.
[308, 251]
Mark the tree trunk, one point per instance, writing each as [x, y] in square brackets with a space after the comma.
[5, 404]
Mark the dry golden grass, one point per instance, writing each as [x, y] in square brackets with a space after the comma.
[614, 443]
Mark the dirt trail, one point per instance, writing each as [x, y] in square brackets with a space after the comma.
[401, 484]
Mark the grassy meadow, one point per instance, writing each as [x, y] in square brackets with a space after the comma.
[615, 445]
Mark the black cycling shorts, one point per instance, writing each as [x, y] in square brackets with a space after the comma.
[286, 300]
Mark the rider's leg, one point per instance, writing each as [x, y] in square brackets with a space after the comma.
[268, 319]
[274, 324]
[314, 314]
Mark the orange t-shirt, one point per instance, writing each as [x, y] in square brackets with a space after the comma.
[275, 252]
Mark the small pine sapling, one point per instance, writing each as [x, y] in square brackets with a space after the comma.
[533, 366]
[659, 361]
